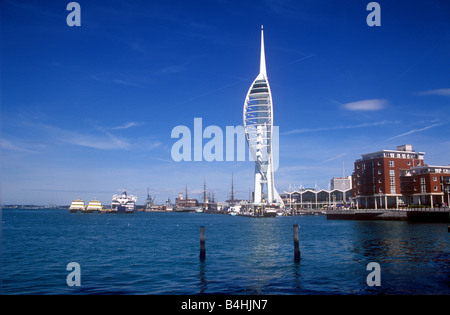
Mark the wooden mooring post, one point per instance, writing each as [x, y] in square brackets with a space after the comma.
[296, 247]
[202, 243]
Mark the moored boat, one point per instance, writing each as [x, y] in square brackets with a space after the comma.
[77, 206]
[94, 206]
[270, 212]
[123, 203]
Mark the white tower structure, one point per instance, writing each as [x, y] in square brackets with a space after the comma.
[258, 126]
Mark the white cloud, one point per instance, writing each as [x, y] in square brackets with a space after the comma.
[366, 105]
[10, 146]
[108, 142]
[442, 92]
[127, 125]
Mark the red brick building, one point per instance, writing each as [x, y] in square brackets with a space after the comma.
[396, 178]
[376, 178]
[430, 185]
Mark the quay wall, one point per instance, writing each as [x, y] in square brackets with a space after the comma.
[414, 214]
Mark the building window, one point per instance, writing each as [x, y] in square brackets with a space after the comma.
[435, 188]
[423, 185]
[391, 163]
[434, 178]
[409, 162]
[379, 181]
[380, 190]
[379, 172]
[392, 181]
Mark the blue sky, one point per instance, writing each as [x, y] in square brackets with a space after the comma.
[87, 111]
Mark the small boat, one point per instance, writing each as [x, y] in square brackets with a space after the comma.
[270, 212]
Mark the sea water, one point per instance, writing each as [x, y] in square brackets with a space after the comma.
[158, 253]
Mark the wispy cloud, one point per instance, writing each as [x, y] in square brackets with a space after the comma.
[112, 79]
[334, 158]
[340, 127]
[171, 69]
[10, 146]
[103, 141]
[442, 92]
[127, 125]
[415, 131]
[366, 105]
[128, 83]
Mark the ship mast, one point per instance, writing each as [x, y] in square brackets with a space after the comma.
[204, 194]
[232, 190]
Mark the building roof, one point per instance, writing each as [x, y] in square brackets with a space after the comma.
[403, 151]
[425, 169]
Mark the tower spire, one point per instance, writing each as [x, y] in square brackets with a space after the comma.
[262, 66]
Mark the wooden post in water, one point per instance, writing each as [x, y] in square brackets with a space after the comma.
[202, 243]
[296, 247]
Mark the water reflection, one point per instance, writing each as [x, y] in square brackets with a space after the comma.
[296, 277]
[395, 242]
[203, 284]
[412, 256]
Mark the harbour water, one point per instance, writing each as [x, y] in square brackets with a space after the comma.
[158, 253]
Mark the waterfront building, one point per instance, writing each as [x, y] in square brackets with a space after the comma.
[428, 185]
[258, 126]
[341, 183]
[395, 178]
[316, 199]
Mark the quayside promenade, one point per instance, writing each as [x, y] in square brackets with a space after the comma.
[410, 214]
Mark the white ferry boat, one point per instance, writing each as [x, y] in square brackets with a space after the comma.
[77, 205]
[270, 212]
[94, 206]
[123, 203]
